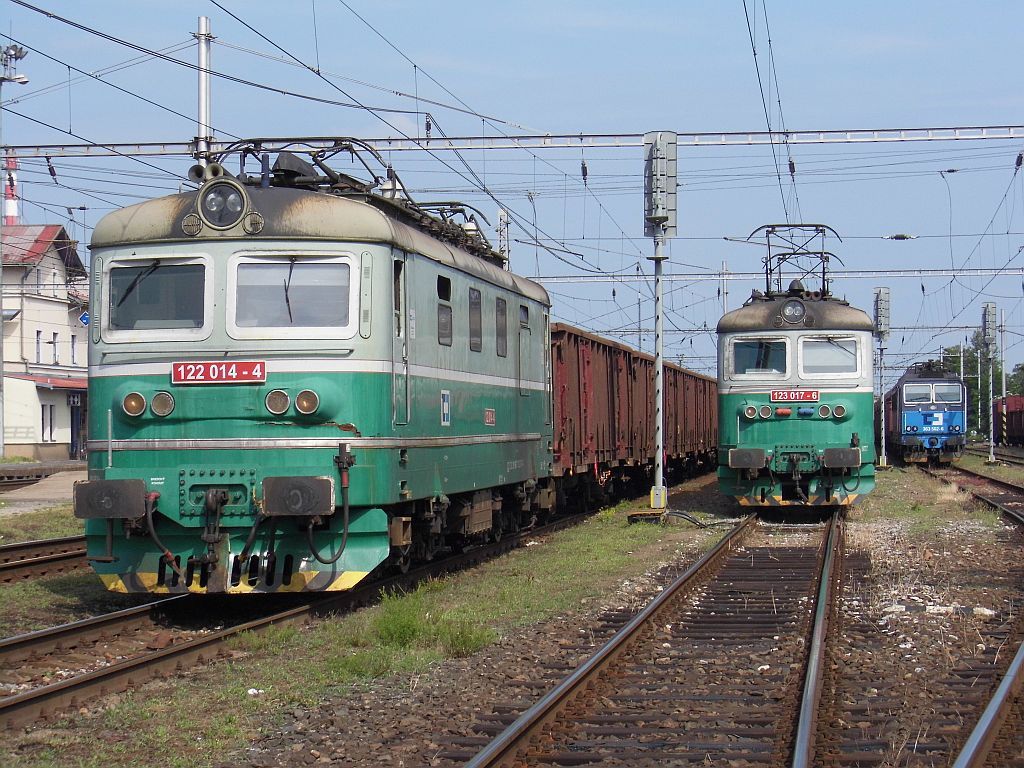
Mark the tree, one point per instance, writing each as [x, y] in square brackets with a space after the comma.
[978, 405]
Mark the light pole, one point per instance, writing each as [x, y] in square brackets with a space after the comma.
[9, 57]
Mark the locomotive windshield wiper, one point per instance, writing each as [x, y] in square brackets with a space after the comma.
[138, 279]
[851, 352]
[287, 285]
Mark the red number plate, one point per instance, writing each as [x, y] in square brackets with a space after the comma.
[224, 372]
[794, 395]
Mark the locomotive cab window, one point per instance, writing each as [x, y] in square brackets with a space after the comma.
[828, 355]
[304, 295]
[156, 298]
[759, 357]
[947, 393]
[917, 393]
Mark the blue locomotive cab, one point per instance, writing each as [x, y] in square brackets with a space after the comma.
[927, 413]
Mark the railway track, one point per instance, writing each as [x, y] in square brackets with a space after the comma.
[44, 673]
[1004, 496]
[44, 557]
[1001, 454]
[724, 666]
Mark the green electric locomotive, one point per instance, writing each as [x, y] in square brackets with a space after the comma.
[795, 389]
[296, 380]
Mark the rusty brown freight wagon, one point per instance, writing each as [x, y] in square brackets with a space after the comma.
[604, 405]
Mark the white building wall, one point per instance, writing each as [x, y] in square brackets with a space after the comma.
[40, 295]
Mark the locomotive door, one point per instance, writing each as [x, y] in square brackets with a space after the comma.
[524, 368]
[400, 343]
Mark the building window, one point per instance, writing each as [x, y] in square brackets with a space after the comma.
[39, 346]
[55, 282]
[74, 352]
[56, 357]
[476, 324]
[501, 327]
[47, 414]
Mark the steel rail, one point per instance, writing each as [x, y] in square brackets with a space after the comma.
[24, 646]
[45, 701]
[29, 559]
[1011, 488]
[975, 751]
[508, 746]
[803, 751]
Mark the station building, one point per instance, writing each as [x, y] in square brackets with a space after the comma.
[44, 304]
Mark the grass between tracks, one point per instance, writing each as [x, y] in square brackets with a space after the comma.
[201, 719]
[31, 605]
[51, 523]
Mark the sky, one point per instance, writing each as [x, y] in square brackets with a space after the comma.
[585, 69]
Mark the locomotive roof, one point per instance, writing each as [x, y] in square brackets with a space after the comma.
[762, 312]
[920, 372]
[298, 214]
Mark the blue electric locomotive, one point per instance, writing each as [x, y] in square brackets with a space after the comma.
[926, 415]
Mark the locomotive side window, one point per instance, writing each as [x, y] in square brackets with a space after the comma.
[293, 293]
[828, 355]
[501, 327]
[155, 295]
[759, 357]
[917, 393]
[476, 323]
[947, 393]
[444, 325]
[444, 288]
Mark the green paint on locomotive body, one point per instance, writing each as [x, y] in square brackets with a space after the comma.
[778, 435]
[423, 419]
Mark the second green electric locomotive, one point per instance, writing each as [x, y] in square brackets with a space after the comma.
[796, 418]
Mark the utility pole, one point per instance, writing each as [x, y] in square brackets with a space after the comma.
[967, 403]
[725, 287]
[9, 57]
[1002, 370]
[204, 134]
[659, 223]
[988, 333]
[882, 333]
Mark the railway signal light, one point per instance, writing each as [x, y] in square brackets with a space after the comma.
[881, 313]
[988, 324]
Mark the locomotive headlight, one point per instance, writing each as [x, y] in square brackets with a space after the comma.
[839, 411]
[163, 403]
[766, 411]
[221, 204]
[750, 412]
[793, 311]
[824, 411]
[277, 401]
[134, 404]
[307, 401]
